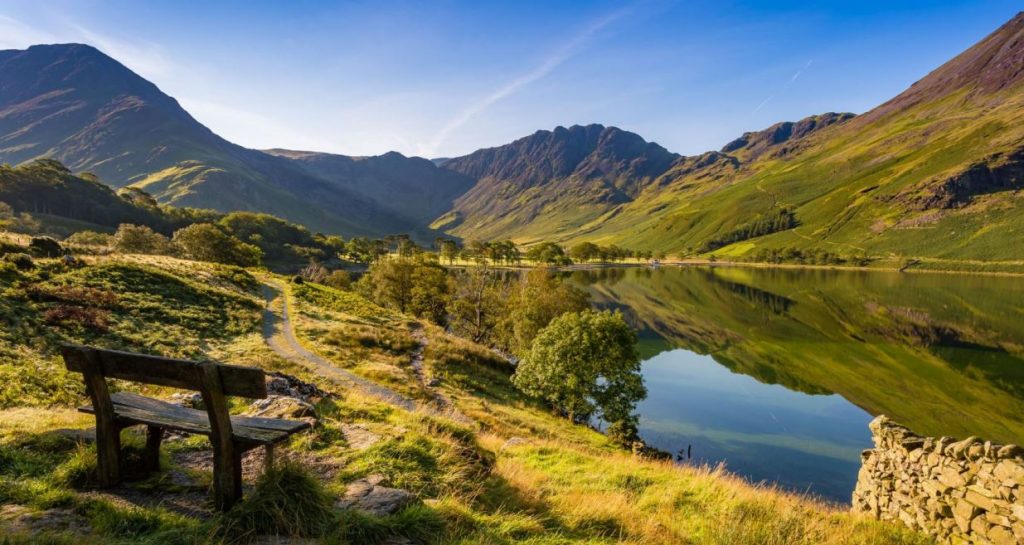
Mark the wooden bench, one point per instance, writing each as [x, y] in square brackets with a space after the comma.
[231, 436]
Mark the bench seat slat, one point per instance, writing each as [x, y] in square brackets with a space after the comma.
[143, 410]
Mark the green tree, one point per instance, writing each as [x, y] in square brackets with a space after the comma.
[537, 298]
[478, 301]
[586, 364]
[430, 292]
[548, 253]
[339, 279]
[208, 242]
[448, 249]
[6, 215]
[90, 238]
[412, 285]
[139, 239]
[584, 251]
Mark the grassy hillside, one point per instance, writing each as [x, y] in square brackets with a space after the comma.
[511, 473]
[935, 172]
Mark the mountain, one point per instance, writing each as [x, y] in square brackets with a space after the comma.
[412, 188]
[569, 176]
[936, 171]
[569, 182]
[74, 104]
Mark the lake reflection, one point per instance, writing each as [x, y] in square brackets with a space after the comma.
[777, 372]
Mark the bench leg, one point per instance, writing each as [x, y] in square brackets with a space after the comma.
[108, 452]
[227, 475]
[268, 458]
[153, 437]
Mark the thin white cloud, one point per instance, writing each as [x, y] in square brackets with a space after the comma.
[784, 87]
[801, 71]
[553, 61]
[260, 130]
[17, 35]
[152, 62]
[146, 58]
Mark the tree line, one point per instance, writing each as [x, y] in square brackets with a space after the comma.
[778, 220]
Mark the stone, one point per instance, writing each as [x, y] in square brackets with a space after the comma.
[277, 406]
[951, 478]
[1018, 530]
[289, 386]
[1009, 451]
[959, 449]
[1001, 536]
[998, 520]
[21, 519]
[963, 514]
[369, 496]
[513, 442]
[935, 489]
[969, 491]
[980, 500]
[1009, 470]
[359, 437]
[192, 400]
[1018, 511]
[979, 527]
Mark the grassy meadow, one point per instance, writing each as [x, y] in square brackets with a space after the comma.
[501, 469]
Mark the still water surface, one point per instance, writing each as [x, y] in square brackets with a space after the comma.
[776, 373]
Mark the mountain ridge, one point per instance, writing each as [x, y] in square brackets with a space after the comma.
[944, 156]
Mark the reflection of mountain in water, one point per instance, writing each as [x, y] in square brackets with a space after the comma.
[941, 353]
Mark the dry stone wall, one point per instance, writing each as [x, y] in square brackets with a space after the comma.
[968, 491]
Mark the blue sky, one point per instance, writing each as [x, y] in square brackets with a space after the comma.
[443, 78]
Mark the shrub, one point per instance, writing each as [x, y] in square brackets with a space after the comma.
[208, 242]
[338, 279]
[314, 272]
[90, 318]
[45, 247]
[90, 238]
[139, 239]
[76, 295]
[23, 262]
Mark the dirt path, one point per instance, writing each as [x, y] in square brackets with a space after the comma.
[280, 336]
[442, 403]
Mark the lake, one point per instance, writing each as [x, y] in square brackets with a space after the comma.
[777, 372]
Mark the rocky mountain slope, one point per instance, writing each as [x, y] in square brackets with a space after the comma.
[73, 103]
[936, 172]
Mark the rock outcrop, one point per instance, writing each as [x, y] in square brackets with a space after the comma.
[967, 491]
[367, 495]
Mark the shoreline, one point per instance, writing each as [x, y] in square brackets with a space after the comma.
[920, 268]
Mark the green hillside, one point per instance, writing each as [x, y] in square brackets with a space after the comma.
[934, 172]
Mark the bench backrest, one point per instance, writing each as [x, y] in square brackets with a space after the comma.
[185, 374]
